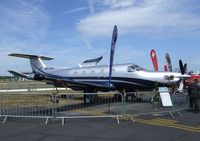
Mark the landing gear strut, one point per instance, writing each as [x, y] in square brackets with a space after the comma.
[89, 97]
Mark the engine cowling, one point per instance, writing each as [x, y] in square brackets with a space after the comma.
[38, 77]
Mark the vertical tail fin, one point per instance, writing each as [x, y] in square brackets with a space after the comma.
[35, 61]
[37, 64]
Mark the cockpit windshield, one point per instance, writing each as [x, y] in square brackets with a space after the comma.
[133, 68]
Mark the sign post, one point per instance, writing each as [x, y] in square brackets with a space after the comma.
[165, 97]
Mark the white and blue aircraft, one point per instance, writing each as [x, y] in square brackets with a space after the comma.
[92, 78]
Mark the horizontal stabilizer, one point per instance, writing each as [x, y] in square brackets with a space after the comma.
[18, 73]
[28, 56]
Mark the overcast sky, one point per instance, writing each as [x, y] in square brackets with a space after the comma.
[72, 31]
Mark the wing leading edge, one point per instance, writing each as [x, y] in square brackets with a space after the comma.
[72, 82]
[63, 80]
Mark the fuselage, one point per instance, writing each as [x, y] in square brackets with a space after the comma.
[129, 77]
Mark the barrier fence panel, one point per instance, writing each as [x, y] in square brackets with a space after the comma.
[138, 103]
[142, 103]
[180, 101]
[87, 105]
[26, 105]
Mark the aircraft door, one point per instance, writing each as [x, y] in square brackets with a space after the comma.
[102, 73]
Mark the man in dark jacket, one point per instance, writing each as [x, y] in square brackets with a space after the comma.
[193, 93]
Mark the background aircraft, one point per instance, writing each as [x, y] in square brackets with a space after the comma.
[168, 61]
[168, 67]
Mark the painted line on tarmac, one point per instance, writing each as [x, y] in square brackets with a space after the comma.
[93, 112]
[168, 123]
[164, 120]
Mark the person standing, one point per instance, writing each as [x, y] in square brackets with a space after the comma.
[191, 99]
[193, 93]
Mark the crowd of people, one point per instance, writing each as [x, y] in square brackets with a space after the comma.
[194, 95]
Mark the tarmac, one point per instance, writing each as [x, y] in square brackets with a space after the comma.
[154, 127]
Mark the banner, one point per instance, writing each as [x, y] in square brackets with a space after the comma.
[169, 64]
[154, 59]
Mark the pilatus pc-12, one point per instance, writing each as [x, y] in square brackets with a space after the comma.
[93, 78]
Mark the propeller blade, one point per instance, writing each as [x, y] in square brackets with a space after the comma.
[181, 67]
[112, 51]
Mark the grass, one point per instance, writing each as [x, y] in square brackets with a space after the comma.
[23, 85]
[32, 100]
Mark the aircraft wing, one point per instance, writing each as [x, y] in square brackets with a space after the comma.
[72, 82]
[18, 73]
[64, 81]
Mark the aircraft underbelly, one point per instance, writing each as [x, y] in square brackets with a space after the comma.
[122, 83]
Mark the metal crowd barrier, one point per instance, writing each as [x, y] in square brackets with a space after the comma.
[90, 105]
[180, 101]
[140, 103]
[26, 105]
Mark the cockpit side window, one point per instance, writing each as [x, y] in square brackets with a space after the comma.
[131, 68]
[138, 68]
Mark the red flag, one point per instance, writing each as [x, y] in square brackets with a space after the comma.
[154, 59]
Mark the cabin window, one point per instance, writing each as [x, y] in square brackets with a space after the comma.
[113, 71]
[92, 73]
[84, 73]
[75, 74]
